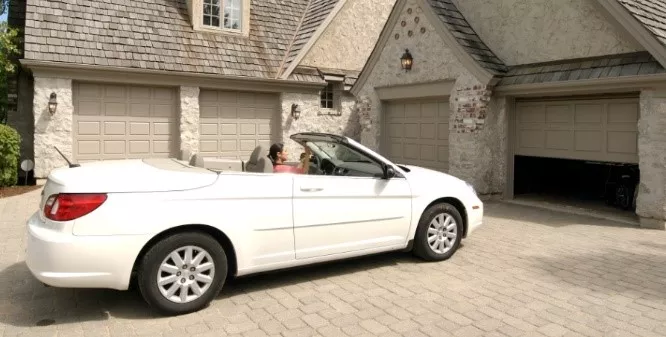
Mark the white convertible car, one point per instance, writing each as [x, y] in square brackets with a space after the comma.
[181, 229]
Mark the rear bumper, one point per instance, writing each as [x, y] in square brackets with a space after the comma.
[60, 259]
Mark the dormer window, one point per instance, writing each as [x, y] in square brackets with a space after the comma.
[225, 14]
[220, 16]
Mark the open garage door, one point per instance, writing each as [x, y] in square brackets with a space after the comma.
[417, 133]
[599, 130]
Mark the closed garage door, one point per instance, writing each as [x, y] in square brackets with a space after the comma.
[123, 121]
[417, 133]
[598, 130]
[234, 123]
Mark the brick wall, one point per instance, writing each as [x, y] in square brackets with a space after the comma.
[471, 108]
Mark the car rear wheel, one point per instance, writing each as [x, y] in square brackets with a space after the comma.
[182, 273]
[439, 233]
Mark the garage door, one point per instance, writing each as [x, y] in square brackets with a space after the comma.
[234, 123]
[123, 121]
[599, 130]
[417, 133]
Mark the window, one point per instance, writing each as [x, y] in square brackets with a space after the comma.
[231, 14]
[326, 97]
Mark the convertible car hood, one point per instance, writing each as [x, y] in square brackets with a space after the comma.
[428, 176]
[131, 175]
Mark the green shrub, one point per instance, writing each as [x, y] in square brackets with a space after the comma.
[9, 155]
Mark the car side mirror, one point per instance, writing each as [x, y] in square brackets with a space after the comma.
[389, 172]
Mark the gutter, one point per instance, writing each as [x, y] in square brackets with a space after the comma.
[618, 84]
[151, 76]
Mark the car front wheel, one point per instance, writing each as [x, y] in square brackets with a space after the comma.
[439, 233]
[182, 273]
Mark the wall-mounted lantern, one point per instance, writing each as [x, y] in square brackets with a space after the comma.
[295, 111]
[53, 103]
[406, 60]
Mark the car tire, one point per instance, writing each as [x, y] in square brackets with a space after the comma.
[443, 245]
[192, 280]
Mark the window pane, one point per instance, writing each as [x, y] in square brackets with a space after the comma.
[216, 21]
[206, 20]
[206, 9]
[207, 1]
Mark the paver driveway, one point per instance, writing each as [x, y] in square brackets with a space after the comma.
[525, 272]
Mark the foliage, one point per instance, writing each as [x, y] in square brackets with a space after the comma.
[8, 50]
[9, 155]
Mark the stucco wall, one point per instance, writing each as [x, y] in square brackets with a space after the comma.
[350, 37]
[315, 119]
[651, 202]
[477, 156]
[53, 130]
[532, 31]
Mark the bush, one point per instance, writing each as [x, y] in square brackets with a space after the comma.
[9, 155]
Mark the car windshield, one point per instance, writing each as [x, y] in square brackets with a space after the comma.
[339, 152]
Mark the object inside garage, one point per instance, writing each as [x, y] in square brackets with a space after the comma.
[579, 152]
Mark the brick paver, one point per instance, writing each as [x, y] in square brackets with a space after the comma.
[526, 272]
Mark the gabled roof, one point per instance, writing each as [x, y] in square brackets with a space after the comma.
[644, 20]
[651, 13]
[464, 34]
[456, 32]
[315, 14]
[158, 35]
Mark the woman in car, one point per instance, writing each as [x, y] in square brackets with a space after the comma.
[279, 155]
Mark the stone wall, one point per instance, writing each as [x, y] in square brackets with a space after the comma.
[348, 40]
[522, 32]
[52, 130]
[313, 118]
[477, 152]
[189, 119]
[651, 202]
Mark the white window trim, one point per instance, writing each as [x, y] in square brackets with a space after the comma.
[195, 9]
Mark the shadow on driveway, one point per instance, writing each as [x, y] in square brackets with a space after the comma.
[29, 303]
[551, 218]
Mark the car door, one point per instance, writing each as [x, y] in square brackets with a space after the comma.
[341, 214]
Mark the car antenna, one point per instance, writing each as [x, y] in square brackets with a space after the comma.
[67, 160]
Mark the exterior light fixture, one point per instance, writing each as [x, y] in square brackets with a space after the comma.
[295, 111]
[53, 103]
[406, 60]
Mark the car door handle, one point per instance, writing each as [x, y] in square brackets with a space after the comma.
[311, 189]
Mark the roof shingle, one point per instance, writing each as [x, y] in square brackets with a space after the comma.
[651, 13]
[157, 34]
[640, 63]
[453, 19]
[314, 16]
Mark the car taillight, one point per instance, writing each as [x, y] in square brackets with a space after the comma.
[67, 207]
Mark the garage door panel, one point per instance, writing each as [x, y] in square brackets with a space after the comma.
[417, 133]
[242, 122]
[623, 113]
[600, 130]
[622, 142]
[115, 109]
[114, 128]
[428, 131]
[559, 140]
[591, 114]
[124, 122]
[588, 141]
[558, 114]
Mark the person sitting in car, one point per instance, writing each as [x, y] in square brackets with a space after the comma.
[279, 155]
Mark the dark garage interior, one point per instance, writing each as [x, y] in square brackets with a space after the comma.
[577, 182]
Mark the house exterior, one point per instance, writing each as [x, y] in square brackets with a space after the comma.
[148, 78]
[492, 79]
